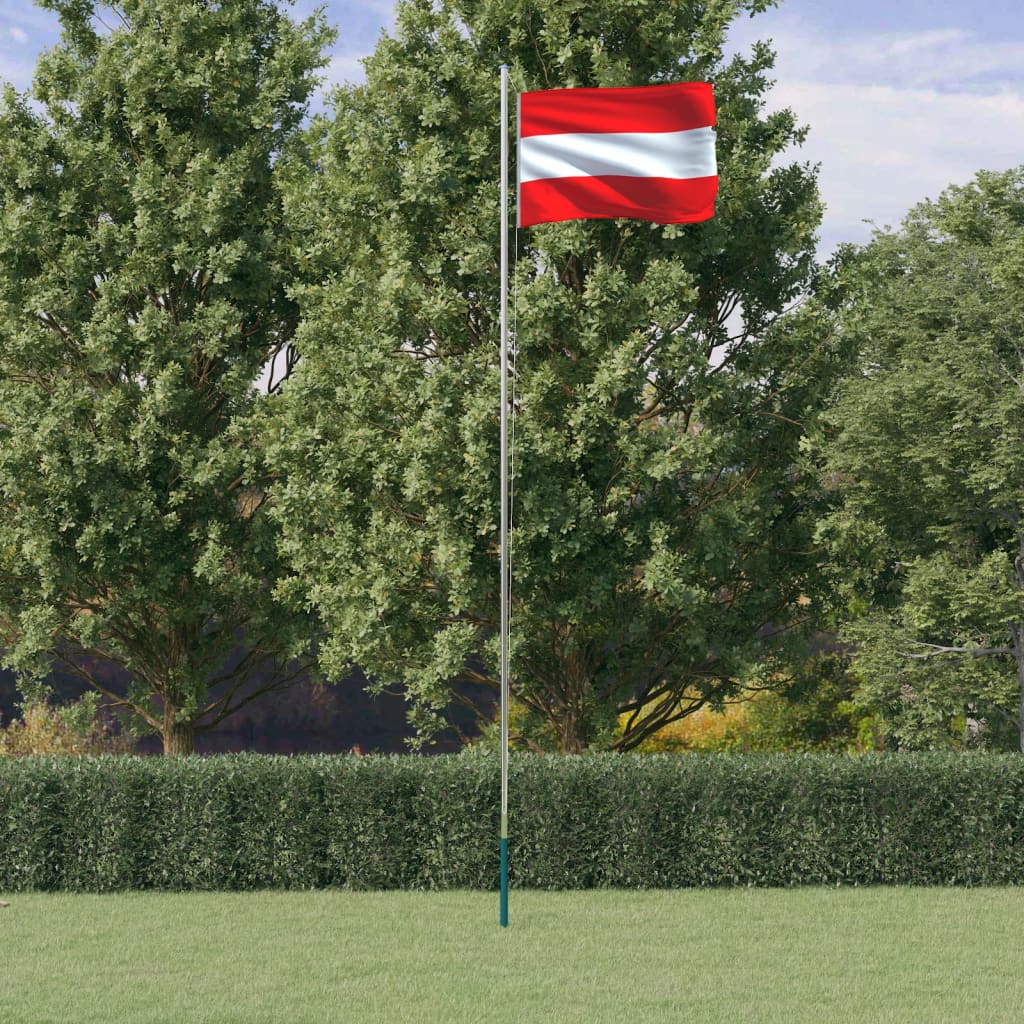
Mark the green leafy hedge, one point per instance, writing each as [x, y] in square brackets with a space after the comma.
[657, 821]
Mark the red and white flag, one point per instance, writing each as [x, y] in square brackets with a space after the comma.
[646, 152]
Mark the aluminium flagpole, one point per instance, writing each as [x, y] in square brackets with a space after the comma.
[505, 582]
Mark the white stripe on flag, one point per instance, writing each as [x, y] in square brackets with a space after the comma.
[686, 154]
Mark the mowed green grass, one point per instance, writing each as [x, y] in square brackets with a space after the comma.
[815, 955]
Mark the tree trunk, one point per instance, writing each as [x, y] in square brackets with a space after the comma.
[1020, 673]
[178, 737]
[1017, 632]
[570, 732]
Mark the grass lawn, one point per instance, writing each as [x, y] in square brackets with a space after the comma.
[817, 955]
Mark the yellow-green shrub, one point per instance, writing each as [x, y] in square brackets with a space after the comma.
[704, 730]
[73, 729]
[814, 712]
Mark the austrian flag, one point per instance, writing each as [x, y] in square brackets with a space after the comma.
[646, 152]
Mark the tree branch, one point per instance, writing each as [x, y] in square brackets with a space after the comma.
[937, 650]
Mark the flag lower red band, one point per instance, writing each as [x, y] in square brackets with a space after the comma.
[662, 200]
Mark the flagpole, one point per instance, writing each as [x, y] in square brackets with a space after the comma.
[505, 582]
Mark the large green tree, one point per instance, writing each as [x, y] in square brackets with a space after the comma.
[924, 457]
[661, 543]
[144, 261]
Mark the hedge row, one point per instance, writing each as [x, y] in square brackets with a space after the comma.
[658, 821]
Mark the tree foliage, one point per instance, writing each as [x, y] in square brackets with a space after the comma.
[924, 457]
[661, 542]
[144, 260]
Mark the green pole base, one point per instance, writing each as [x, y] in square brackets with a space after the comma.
[504, 882]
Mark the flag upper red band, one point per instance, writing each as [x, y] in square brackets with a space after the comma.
[675, 107]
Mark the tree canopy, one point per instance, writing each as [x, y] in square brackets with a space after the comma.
[924, 457]
[662, 535]
[144, 266]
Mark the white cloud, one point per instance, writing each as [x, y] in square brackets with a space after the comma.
[895, 117]
[949, 60]
[25, 30]
[16, 69]
[883, 150]
[344, 69]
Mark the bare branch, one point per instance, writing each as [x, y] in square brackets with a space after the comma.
[937, 650]
[223, 708]
[116, 701]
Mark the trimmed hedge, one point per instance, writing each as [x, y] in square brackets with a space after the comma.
[656, 821]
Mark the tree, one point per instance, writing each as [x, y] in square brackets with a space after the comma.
[144, 261]
[924, 459]
[661, 537]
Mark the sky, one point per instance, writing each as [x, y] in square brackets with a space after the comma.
[902, 97]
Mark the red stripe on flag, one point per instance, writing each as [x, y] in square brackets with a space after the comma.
[662, 200]
[645, 108]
